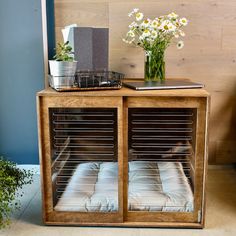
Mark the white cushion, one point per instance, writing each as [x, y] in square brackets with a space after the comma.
[153, 186]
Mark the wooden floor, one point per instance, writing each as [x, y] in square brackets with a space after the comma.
[220, 218]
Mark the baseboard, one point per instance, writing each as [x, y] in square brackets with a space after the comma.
[34, 168]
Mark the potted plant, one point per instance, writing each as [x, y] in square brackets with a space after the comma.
[12, 180]
[63, 68]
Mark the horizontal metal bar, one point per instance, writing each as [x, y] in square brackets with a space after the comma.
[78, 161]
[86, 152]
[168, 145]
[59, 114]
[85, 129]
[160, 130]
[77, 129]
[91, 122]
[162, 114]
[86, 145]
[159, 154]
[184, 138]
[160, 146]
[169, 168]
[59, 182]
[65, 197]
[166, 122]
[106, 187]
[91, 138]
[74, 168]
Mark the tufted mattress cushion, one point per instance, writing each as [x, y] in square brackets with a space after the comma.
[153, 186]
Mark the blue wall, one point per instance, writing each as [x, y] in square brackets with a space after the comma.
[21, 76]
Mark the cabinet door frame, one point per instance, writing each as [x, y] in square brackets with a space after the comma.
[202, 106]
[50, 216]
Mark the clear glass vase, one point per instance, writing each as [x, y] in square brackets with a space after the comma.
[154, 66]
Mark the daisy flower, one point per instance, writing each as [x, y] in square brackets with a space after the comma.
[172, 15]
[139, 16]
[131, 34]
[154, 24]
[171, 27]
[154, 34]
[135, 10]
[164, 25]
[133, 25]
[146, 33]
[130, 14]
[141, 37]
[180, 44]
[145, 23]
[183, 21]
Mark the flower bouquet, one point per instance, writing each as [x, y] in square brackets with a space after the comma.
[154, 36]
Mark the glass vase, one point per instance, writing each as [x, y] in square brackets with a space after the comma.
[154, 66]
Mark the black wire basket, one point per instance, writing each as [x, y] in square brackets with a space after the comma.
[87, 80]
[98, 79]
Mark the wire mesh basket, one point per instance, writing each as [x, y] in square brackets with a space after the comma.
[87, 80]
[93, 79]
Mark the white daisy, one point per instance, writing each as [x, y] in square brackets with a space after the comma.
[145, 23]
[141, 37]
[146, 33]
[154, 24]
[183, 21]
[180, 44]
[130, 14]
[139, 16]
[133, 25]
[135, 10]
[172, 15]
[171, 27]
[154, 34]
[164, 25]
[131, 34]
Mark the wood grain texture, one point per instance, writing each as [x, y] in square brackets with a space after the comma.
[209, 55]
[127, 92]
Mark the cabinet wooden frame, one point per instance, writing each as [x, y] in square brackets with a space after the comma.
[44, 104]
[123, 100]
[201, 104]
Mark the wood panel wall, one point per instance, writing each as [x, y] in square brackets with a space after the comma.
[209, 55]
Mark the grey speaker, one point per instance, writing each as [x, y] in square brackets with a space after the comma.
[90, 46]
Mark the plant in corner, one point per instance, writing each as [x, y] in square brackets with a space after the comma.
[12, 180]
[154, 36]
[63, 68]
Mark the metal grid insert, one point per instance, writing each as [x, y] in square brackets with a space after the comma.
[162, 142]
[83, 138]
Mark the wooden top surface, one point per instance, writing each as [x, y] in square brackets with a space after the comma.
[126, 92]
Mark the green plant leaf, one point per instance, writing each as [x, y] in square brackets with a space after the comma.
[12, 180]
[63, 52]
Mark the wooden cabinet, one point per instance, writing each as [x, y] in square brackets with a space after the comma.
[123, 158]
